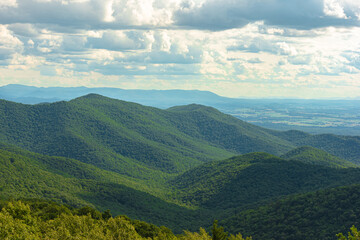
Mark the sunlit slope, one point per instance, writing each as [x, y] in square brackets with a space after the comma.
[129, 138]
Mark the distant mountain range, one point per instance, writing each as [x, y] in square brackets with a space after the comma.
[180, 167]
[314, 116]
[157, 98]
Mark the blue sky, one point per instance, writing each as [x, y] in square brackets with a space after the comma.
[235, 48]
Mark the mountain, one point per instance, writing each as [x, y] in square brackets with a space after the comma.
[317, 215]
[131, 139]
[345, 147]
[316, 156]
[162, 166]
[27, 175]
[256, 177]
[158, 98]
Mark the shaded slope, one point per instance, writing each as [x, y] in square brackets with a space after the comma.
[316, 156]
[256, 177]
[319, 215]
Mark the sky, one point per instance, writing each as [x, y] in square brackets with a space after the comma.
[235, 48]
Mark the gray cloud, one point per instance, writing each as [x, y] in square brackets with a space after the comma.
[298, 14]
[255, 60]
[119, 41]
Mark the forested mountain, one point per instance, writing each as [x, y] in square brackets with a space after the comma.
[256, 177]
[162, 166]
[317, 215]
[345, 147]
[316, 156]
[29, 175]
[129, 138]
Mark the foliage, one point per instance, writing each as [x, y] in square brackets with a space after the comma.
[28, 175]
[354, 234]
[317, 215]
[254, 178]
[26, 221]
[315, 156]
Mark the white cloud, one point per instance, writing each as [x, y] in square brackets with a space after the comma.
[333, 8]
[8, 3]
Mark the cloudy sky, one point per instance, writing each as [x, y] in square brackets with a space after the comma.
[235, 48]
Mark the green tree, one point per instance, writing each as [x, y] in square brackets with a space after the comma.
[354, 234]
[218, 232]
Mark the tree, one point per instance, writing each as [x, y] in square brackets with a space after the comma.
[218, 232]
[353, 235]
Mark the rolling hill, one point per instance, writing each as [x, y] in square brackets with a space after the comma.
[316, 156]
[256, 177]
[27, 175]
[317, 215]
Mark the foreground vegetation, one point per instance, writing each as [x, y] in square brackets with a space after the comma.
[45, 220]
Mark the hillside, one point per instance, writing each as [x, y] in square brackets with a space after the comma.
[29, 175]
[134, 140]
[318, 215]
[161, 166]
[346, 147]
[316, 156]
[254, 178]
[129, 138]
[219, 189]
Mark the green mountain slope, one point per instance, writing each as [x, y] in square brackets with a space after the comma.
[345, 147]
[318, 215]
[129, 138]
[316, 156]
[256, 177]
[28, 175]
[219, 188]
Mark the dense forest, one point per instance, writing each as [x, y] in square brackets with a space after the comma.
[181, 168]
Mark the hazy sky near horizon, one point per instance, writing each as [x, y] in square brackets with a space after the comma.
[235, 48]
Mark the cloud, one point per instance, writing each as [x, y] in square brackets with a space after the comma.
[120, 40]
[255, 60]
[8, 3]
[297, 14]
[9, 44]
[91, 14]
[260, 44]
[24, 29]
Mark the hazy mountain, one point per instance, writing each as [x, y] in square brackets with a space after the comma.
[158, 98]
